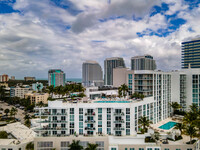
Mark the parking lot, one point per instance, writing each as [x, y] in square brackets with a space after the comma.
[20, 114]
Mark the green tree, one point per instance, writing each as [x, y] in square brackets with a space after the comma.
[28, 123]
[144, 122]
[30, 146]
[6, 111]
[123, 90]
[27, 116]
[180, 127]
[38, 87]
[59, 90]
[137, 95]
[2, 92]
[50, 90]
[3, 135]
[175, 106]
[91, 146]
[75, 145]
[13, 111]
[191, 131]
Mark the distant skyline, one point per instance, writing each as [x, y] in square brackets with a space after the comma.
[38, 35]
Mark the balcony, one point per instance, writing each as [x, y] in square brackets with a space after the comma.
[48, 114]
[118, 114]
[119, 121]
[90, 114]
[48, 128]
[89, 121]
[89, 128]
[118, 128]
[53, 121]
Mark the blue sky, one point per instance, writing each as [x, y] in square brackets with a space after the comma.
[36, 36]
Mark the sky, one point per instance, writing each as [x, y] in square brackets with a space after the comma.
[38, 35]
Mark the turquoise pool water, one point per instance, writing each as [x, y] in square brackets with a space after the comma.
[112, 101]
[168, 125]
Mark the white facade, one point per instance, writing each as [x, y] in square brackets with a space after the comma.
[94, 92]
[111, 117]
[19, 92]
[185, 87]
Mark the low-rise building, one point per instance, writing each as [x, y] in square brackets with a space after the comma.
[19, 137]
[4, 85]
[99, 92]
[37, 97]
[19, 91]
[29, 78]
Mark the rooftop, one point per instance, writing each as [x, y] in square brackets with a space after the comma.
[21, 133]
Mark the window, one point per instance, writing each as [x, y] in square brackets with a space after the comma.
[127, 117]
[71, 117]
[141, 148]
[100, 143]
[178, 149]
[108, 124]
[81, 131]
[63, 118]
[127, 124]
[80, 110]
[127, 131]
[64, 144]
[80, 124]
[108, 117]
[99, 130]
[108, 110]
[108, 131]
[45, 144]
[71, 110]
[99, 117]
[127, 110]
[71, 125]
[132, 149]
[80, 117]
[126, 148]
[113, 148]
[166, 148]
[156, 149]
[100, 110]
[149, 148]
[99, 123]
[84, 143]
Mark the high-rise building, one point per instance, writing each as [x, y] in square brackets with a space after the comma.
[4, 78]
[124, 76]
[191, 54]
[145, 62]
[92, 74]
[109, 65]
[56, 77]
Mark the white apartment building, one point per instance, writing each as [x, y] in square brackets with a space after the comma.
[186, 87]
[112, 117]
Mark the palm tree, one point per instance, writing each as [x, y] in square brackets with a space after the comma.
[91, 146]
[30, 146]
[50, 90]
[180, 127]
[59, 90]
[191, 131]
[13, 111]
[123, 90]
[6, 111]
[28, 123]
[189, 118]
[144, 122]
[175, 106]
[75, 145]
[26, 117]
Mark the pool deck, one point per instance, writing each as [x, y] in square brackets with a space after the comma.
[156, 126]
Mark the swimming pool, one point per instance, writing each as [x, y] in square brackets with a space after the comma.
[113, 102]
[168, 125]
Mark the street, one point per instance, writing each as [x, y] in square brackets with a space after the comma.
[19, 114]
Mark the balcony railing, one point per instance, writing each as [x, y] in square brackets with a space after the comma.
[53, 121]
[90, 114]
[119, 128]
[119, 121]
[89, 128]
[48, 128]
[89, 121]
[49, 114]
[119, 114]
